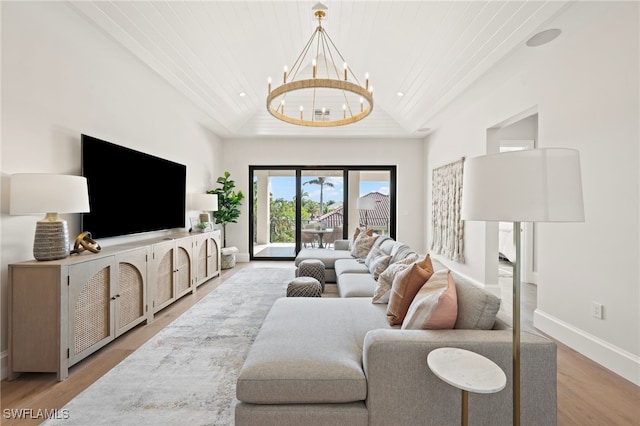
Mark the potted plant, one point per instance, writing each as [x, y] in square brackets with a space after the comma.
[229, 202]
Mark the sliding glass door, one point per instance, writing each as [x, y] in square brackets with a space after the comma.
[309, 207]
[322, 201]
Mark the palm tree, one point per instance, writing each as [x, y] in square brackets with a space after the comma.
[322, 181]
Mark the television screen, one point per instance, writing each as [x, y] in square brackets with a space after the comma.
[129, 191]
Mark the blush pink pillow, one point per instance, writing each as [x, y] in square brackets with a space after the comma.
[435, 307]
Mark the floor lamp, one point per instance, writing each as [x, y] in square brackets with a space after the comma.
[534, 185]
[366, 204]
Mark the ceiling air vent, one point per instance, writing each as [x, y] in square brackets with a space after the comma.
[318, 112]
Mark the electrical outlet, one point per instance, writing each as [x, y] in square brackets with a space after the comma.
[596, 310]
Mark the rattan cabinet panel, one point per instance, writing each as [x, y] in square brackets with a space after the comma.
[91, 311]
[162, 273]
[184, 267]
[131, 296]
[170, 271]
[206, 256]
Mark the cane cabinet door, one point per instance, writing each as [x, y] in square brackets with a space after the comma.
[91, 307]
[207, 256]
[131, 292]
[184, 265]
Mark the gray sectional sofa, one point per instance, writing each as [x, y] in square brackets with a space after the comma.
[328, 257]
[337, 361]
[352, 275]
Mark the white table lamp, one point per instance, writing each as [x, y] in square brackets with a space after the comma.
[204, 203]
[366, 204]
[37, 193]
[535, 185]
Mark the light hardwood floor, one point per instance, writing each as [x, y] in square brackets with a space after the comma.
[588, 394]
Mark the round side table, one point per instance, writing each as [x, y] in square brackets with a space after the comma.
[468, 371]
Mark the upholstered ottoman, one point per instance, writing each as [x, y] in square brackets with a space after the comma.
[312, 268]
[304, 287]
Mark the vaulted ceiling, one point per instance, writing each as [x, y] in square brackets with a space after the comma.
[212, 51]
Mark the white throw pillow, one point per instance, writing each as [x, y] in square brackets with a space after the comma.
[385, 280]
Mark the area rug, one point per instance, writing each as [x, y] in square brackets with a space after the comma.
[186, 374]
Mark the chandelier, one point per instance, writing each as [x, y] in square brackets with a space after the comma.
[321, 92]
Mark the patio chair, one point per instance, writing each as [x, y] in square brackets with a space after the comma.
[329, 238]
[307, 238]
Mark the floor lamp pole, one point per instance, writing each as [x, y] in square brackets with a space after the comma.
[516, 325]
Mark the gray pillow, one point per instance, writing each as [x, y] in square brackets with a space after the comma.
[400, 251]
[477, 308]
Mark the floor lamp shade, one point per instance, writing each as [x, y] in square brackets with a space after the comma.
[366, 204]
[37, 193]
[535, 185]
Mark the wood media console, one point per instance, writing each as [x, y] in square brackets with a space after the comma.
[62, 311]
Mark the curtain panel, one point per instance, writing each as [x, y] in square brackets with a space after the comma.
[447, 224]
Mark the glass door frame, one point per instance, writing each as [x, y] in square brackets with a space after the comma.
[391, 169]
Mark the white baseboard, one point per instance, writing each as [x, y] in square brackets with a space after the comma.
[242, 257]
[4, 365]
[621, 362]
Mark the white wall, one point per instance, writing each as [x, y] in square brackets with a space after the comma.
[405, 153]
[584, 86]
[61, 78]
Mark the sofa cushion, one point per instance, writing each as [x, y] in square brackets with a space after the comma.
[327, 256]
[356, 285]
[405, 287]
[385, 280]
[299, 357]
[435, 307]
[350, 266]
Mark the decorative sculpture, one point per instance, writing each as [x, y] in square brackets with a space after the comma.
[85, 242]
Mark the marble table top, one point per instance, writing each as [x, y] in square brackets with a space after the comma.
[466, 370]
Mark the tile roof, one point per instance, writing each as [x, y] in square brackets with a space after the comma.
[376, 218]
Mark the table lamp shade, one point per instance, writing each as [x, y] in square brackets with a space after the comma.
[534, 185]
[203, 202]
[36, 193]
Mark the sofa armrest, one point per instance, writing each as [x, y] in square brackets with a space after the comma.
[403, 391]
[341, 245]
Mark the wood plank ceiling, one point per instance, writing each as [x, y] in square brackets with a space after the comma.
[212, 51]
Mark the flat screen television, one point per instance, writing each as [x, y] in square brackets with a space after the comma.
[130, 192]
